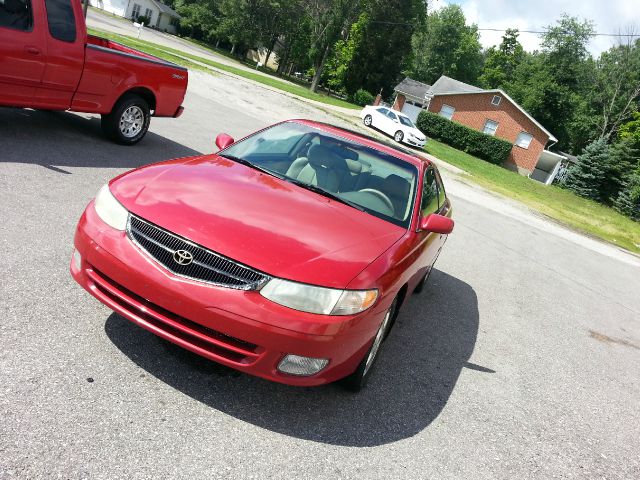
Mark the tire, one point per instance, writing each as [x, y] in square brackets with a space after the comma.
[129, 120]
[358, 379]
[398, 136]
[368, 120]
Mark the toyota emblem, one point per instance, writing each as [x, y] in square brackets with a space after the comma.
[182, 257]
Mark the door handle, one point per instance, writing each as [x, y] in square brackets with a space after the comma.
[32, 50]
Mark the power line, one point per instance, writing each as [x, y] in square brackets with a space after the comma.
[566, 33]
[597, 34]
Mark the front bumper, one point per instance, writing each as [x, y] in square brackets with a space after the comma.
[414, 142]
[240, 329]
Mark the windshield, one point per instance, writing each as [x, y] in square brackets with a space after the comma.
[406, 121]
[362, 177]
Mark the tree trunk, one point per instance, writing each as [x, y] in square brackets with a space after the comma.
[233, 48]
[319, 68]
[86, 7]
[270, 51]
[218, 43]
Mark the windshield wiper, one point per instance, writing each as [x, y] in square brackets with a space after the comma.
[324, 193]
[249, 164]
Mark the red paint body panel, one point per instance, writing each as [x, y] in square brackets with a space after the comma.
[268, 224]
[88, 75]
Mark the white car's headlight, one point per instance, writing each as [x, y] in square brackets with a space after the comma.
[110, 210]
[321, 300]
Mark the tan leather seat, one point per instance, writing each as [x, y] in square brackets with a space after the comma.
[397, 189]
[318, 168]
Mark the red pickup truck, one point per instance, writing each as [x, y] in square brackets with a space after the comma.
[48, 62]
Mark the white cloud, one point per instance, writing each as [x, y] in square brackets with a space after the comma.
[609, 16]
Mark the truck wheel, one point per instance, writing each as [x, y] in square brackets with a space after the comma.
[129, 120]
[358, 379]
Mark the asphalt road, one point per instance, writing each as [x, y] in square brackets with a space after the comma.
[520, 359]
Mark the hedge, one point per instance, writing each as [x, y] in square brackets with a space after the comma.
[492, 149]
[362, 98]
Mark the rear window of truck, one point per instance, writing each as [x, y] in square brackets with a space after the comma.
[62, 21]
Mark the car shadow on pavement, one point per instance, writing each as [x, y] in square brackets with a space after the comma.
[416, 372]
[78, 142]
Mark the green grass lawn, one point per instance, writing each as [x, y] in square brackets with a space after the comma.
[182, 58]
[555, 202]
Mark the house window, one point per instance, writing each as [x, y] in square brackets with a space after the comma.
[135, 12]
[523, 140]
[447, 111]
[490, 127]
[149, 14]
[496, 100]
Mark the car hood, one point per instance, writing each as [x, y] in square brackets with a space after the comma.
[256, 219]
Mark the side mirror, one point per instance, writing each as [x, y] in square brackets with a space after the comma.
[223, 140]
[437, 224]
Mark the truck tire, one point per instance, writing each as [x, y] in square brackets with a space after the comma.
[128, 122]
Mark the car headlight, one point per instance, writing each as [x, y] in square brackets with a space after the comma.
[110, 210]
[320, 300]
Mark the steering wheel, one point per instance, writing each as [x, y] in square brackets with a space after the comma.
[381, 196]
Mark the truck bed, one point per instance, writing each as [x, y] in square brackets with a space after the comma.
[118, 47]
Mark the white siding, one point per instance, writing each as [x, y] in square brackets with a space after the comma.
[117, 7]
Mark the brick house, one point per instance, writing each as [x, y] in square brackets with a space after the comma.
[490, 111]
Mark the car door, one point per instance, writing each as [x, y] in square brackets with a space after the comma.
[65, 54]
[22, 53]
[392, 124]
[430, 243]
[379, 117]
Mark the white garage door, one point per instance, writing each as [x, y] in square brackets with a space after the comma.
[411, 111]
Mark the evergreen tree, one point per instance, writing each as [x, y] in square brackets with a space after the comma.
[586, 178]
[623, 160]
[628, 201]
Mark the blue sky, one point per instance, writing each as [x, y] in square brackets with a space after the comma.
[610, 16]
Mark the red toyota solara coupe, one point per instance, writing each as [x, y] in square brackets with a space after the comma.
[286, 255]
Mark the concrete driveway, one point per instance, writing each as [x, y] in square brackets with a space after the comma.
[520, 359]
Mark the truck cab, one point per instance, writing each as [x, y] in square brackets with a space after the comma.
[47, 61]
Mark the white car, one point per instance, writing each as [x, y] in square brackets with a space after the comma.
[393, 123]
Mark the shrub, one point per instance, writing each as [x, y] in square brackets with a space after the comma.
[362, 98]
[143, 19]
[492, 149]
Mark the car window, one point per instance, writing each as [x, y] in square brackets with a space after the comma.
[405, 121]
[62, 21]
[392, 116]
[364, 177]
[429, 193]
[382, 110]
[442, 195]
[16, 14]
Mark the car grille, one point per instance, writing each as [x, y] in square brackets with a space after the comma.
[205, 266]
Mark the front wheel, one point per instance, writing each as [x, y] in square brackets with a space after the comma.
[398, 136]
[129, 120]
[358, 379]
[368, 120]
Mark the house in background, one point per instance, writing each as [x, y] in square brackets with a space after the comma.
[160, 15]
[490, 111]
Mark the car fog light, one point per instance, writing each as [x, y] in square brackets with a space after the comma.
[77, 259]
[297, 365]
